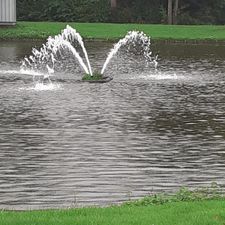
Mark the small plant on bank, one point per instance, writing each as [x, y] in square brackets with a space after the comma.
[213, 192]
[95, 76]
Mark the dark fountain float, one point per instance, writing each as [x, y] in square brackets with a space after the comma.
[45, 58]
[96, 78]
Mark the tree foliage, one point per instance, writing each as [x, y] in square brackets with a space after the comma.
[126, 11]
[63, 10]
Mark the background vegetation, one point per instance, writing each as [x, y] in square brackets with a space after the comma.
[126, 11]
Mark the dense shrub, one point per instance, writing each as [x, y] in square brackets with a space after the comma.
[127, 11]
[64, 10]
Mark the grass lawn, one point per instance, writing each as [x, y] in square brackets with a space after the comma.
[41, 30]
[205, 212]
[199, 207]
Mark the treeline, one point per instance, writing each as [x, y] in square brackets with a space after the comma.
[123, 11]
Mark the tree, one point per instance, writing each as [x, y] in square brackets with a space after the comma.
[172, 10]
[175, 11]
[125, 11]
[113, 4]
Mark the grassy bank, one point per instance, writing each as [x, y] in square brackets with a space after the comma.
[204, 207]
[205, 212]
[41, 30]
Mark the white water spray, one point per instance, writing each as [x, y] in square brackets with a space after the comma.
[47, 54]
[71, 34]
[58, 44]
[43, 61]
[132, 40]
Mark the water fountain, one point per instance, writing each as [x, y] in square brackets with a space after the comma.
[60, 138]
[45, 58]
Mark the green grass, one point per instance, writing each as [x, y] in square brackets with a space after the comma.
[205, 212]
[41, 30]
[198, 207]
[95, 76]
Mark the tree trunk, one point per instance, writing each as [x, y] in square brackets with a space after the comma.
[113, 3]
[170, 11]
[175, 11]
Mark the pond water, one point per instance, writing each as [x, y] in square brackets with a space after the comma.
[80, 144]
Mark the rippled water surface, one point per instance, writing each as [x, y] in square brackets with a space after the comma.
[75, 144]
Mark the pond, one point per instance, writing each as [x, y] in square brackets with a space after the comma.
[81, 144]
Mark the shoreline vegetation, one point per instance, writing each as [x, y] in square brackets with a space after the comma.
[201, 207]
[111, 32]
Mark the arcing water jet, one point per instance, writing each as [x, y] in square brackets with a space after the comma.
[45, 58]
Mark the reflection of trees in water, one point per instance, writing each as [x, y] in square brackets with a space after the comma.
[21, 136]
[187, 51]
[191, 111]
[28, 163]
[178, 134]
[177, 110]
[15, 50]
[20, 124]
[183, 118]
[21, 115]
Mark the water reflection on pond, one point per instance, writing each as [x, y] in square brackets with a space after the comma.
[144, 132]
